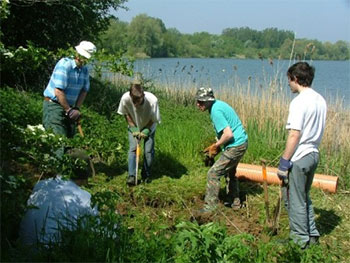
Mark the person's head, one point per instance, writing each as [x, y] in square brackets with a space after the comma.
[204, 98]
[137, 94]
[300, 73]
[85, 50]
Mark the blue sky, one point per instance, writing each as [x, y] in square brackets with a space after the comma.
[324, 20]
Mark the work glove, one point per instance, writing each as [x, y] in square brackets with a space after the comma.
[145, 133]
[135, 131]
[212, 150]
[73, 114]
[283, 169]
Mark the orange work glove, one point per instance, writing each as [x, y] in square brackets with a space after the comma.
[212, 150]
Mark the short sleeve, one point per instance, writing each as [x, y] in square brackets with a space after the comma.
[295, 117]
[122, 105]
[219, 121]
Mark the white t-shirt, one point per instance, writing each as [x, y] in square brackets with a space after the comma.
[307, 114]
[142, 114]
[55, 202]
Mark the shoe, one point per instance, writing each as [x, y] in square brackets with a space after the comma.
[206, 210]
[236, 205]
[145, 177]
[131, 181]
[228, 204]
[146, 180]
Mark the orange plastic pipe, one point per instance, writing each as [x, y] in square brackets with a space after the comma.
[253, 173]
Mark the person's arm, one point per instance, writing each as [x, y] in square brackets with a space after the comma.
[292, 143]
[81, 98]
[149, 124]
[62, 99]
[129, 120]
[226, 136]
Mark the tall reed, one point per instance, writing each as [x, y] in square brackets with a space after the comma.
[268, 108]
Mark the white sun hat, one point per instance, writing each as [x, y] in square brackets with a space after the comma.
[86, 48]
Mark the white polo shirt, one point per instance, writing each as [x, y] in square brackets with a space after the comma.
[142, 114]
[307, 114]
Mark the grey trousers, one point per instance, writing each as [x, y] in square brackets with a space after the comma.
[297, 199]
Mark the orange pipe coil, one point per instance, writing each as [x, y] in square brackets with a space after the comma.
[254, 173]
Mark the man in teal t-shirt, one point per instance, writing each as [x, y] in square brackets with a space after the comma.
[232, 137]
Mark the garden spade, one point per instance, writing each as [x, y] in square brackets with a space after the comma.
[263, 162]
[277, 213]
[138, 151]
[90, 161]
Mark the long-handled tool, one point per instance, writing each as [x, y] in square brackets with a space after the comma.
[277, 212]
[138, 151]
[90, 161]
[263, 162]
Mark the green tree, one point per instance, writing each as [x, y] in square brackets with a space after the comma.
[173, 42]
[54, 24]
[114, 40]
[146, 35]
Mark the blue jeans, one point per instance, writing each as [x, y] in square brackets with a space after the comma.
[148, 155]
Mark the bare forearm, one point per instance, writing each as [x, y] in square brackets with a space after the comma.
[62, 99]
[149, 124]
[226, 136]
[129, 120]
[81, 98]
[292, 143]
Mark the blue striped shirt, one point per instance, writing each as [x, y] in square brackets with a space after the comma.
[69, 78]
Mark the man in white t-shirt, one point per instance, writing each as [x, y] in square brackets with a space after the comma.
[141, 112]
[306, 123]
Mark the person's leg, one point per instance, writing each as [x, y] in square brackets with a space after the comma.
[54, 119]
[131, 158]
[300, 207]
[148, 156]
[235, 154]
[220, 168]
[313, 158]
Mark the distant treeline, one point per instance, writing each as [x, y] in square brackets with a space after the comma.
[146, 36]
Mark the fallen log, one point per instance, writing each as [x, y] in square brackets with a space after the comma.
[254, 173]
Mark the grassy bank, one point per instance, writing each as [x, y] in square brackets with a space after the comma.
[157, 221]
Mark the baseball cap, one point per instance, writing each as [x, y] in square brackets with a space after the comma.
[86, 48]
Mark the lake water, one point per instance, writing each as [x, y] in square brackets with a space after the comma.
[332, 78]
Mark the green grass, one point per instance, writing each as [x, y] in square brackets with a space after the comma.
[157, 221]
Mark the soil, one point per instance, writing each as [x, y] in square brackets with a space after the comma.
[237, 221]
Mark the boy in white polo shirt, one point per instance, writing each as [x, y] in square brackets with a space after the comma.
[306, 122]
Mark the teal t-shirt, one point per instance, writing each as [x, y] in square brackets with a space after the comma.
[223, 115]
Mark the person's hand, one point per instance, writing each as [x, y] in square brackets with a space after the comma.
[135, 131]
[212, 150]
[283, 169]
[73, 114]
[145, 133]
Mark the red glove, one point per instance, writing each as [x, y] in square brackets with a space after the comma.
[212, 150]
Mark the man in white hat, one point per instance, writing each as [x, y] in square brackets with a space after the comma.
[66, 91]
